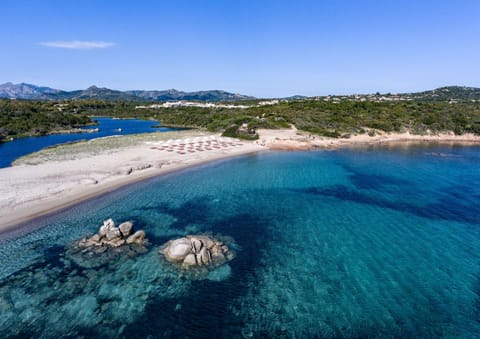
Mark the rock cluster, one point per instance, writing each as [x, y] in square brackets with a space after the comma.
[111, 236]
[196, 251]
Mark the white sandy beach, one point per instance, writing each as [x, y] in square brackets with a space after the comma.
[57, 178]
[30, 190]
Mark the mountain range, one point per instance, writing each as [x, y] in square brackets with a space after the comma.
[33, 92]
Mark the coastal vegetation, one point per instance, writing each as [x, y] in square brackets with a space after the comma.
[314, 115]
[26, 118]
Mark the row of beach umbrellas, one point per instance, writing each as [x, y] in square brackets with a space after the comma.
[191, 145]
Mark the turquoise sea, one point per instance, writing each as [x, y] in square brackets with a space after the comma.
[360, 242]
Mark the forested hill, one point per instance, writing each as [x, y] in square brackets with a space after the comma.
[24, 118]
[450, 93]
[319, 116]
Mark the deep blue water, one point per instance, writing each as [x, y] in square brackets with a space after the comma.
[12, 150]
[367, 242]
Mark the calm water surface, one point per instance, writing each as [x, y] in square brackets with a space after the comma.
[370, 242]
[12, 150]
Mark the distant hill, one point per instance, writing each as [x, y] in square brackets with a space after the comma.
[295, 97]
[172, 94]
[448, 93]
[94, 92]
[33, 92]
[25, 91]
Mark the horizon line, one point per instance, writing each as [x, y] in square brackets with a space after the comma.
[239, 93]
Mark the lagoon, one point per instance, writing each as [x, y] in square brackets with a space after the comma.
[12, 150]
[359, 242]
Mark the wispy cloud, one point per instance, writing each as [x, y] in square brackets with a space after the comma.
[76, 44]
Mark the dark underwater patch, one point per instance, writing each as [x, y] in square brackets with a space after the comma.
[205, 310]
[449, 208]
[193, 211]
[379, 182]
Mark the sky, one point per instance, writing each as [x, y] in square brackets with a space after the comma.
[260, 48]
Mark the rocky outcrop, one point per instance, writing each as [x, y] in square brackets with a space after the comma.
[125, 228]
[110, 246]
[137, 238]
[111, 236]
[196, 251]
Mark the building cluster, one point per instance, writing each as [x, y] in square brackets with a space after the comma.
[366, 98]
[181, 103]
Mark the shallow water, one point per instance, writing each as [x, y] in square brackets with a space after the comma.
[12, 150]
[348, 243]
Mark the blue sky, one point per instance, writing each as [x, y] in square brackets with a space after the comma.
[261, 48]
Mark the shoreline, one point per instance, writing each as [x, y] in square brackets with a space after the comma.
[119, 168]
[19, 221]
[298, 140]
[48, 183]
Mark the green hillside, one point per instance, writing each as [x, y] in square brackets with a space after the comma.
[445, 109]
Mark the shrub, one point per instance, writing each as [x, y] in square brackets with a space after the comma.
[233, 132]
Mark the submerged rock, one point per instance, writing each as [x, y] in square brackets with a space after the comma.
[221, 273]
[196, 251]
